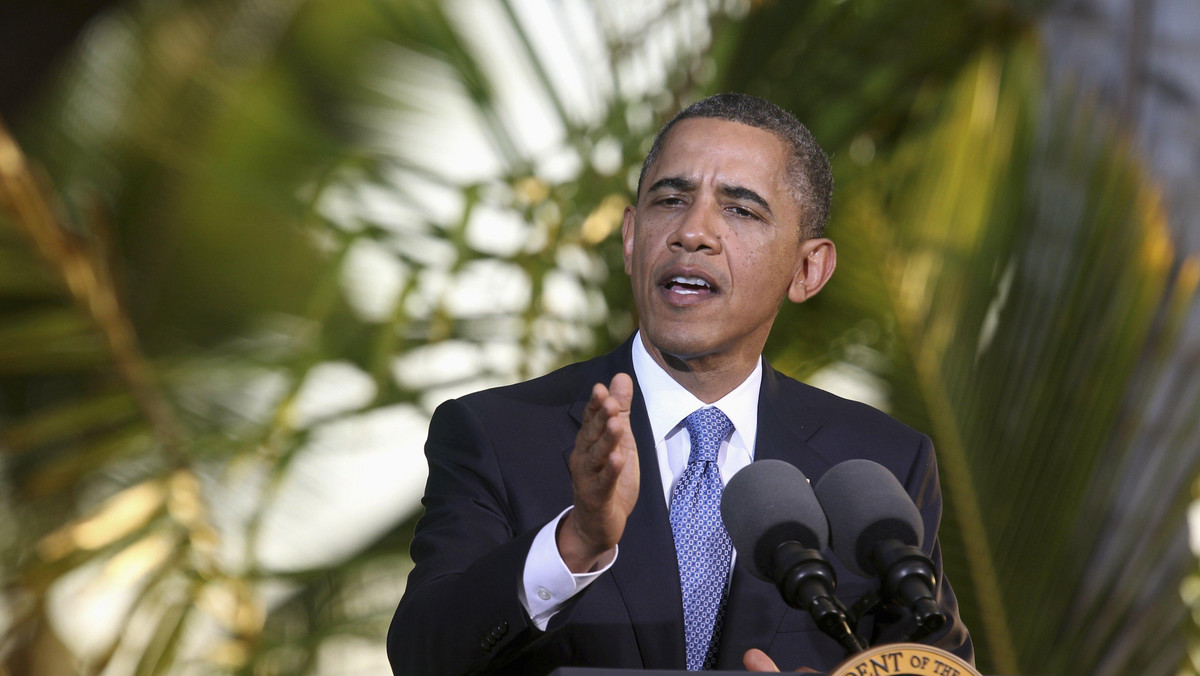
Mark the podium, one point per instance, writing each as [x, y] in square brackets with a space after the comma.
[896, 659]
[595, 671]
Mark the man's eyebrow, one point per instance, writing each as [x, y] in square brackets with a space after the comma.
[742, 193]
[673, 183]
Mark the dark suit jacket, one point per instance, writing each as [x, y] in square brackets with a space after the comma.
[498, 473]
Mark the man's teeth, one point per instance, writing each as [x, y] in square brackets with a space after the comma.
[683, 284]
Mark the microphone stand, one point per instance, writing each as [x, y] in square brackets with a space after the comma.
[909, 580]
[806, 581]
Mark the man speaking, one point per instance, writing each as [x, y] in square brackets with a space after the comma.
[574, 519]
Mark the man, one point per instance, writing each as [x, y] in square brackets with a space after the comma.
[532, 487]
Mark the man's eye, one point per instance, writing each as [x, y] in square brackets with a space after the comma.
[742, 211]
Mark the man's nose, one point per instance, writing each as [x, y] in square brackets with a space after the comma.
[699, 228]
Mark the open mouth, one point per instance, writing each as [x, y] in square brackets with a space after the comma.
[688, 285]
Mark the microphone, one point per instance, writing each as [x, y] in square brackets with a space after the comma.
[877, 532]
[778, 529]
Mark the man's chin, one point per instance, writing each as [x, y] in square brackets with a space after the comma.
[676, 350]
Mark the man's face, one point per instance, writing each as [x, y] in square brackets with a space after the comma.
[713, 245]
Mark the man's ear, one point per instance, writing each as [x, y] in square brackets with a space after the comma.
[818, 258]
[627, 227]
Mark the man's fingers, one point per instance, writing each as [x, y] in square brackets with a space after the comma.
[757, 660]
[614, 431]
[621, 389]
[599, 395]
[603, 455]
[592, 425]
[599, 392]
[595, 442]
[601, 408]
[606, 403]
[605, 429]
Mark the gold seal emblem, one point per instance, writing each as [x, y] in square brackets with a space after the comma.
[904, 659]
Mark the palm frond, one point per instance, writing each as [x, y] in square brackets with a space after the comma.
[1025, 265]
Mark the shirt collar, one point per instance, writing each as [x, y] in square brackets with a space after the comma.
[668, 402]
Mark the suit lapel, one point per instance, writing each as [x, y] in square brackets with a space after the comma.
[646, 572]
[755, 608]
[785, 424]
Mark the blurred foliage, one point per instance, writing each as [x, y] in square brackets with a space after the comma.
[260, 239]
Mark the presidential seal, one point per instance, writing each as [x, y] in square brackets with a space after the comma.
[904, 659]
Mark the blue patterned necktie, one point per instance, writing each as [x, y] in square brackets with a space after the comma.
[701, 543]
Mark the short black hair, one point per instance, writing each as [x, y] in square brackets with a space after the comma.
[808, 166]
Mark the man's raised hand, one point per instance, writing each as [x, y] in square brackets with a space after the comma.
[605, 477]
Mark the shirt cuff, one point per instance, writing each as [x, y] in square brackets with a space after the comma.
[547, 582]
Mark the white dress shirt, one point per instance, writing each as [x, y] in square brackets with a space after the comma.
[548, 583]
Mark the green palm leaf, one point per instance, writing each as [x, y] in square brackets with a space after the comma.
[1026, 267]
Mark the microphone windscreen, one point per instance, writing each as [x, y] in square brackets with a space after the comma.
[866, 505]
[767, 503]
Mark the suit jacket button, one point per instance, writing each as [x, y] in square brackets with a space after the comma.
[485, 645]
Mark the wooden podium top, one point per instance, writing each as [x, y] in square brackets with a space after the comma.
[894, 659]
[601, 671]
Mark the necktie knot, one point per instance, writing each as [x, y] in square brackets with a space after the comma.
[707, 427]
